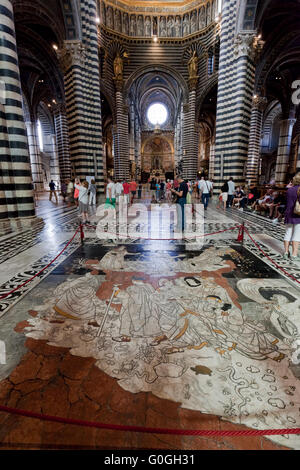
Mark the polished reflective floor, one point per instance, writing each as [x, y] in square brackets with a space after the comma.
[155, 333]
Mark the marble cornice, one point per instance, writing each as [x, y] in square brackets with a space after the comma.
[156, 7]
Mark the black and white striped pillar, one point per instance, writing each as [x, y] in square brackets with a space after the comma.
[121, 157]
[284, 148]
[16, 197]
[62, 141]
[259, 104]
[35, 156]
[80, 62]
[190, 154]
[235, 91]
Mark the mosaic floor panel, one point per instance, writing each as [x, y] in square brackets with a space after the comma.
[213, 331]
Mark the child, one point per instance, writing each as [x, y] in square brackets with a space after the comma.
[83, 198]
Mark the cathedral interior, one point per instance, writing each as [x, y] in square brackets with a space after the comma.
[152, 331]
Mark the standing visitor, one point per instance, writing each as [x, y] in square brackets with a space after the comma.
[292, 220]
[76, 191]
[205, 188]
[231, 189]
[119, 190]
[126, 189]
[70, 191]
[168, 191]
[93, 192]
[63, 189]
[52, 187]
[110, 193]
[224, 195]
[133, 187]
[140, 190]
[162, 190]
[157, 190]
[181, 197]
[83, 199]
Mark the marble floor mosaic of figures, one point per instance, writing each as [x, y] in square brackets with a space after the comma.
[153, 333]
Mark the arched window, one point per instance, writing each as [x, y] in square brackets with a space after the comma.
[211, 64]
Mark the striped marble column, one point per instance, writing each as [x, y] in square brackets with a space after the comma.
[138, 143]
[190, 157]
[258, 106]
[284, 147]
[211, 171]
[132, 135]
[122, 147]
[62, 141]
[235, 90]
[35, 156]
[80, 63]
[16, 197]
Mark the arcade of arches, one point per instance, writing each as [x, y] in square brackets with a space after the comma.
[138, 331]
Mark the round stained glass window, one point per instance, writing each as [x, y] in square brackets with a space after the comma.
[157, 114]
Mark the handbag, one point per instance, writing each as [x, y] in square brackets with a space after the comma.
[297, 205]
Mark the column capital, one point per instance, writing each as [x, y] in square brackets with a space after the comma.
[59, 108]
[72, 53]
[248, 44]
[290, 121]
[259, 102]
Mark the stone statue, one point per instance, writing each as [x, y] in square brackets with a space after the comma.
[125, 24]
[193, 65]
[208, 15]
[132, 25]
[186, 25]
[147, 26]
[162, 27]
[140, 28]
[202, 18]
[194, 22]
[118, 67]
[102, 13]
[177, 27]
[117, 21]
[109, 18]
[170, 24]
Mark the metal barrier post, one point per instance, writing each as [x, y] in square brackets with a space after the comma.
[81, 234]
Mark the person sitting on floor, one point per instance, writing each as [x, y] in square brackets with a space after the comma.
[238, 197]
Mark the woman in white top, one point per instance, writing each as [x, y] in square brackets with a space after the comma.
[83, 200]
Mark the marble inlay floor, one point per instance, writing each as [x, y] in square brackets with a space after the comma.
[151, 333]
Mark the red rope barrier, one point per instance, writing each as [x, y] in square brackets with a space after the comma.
[142, 429]
[37, 274]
